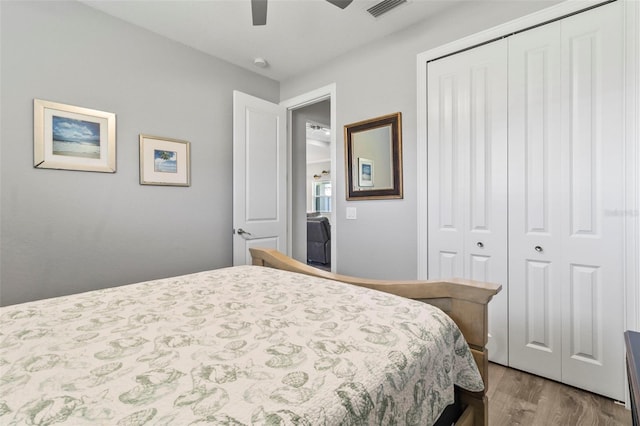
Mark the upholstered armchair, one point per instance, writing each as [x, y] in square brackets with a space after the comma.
[318, 240]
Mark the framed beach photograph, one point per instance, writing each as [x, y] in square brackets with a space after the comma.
[73, 138]
[164, 161]
[365, 172]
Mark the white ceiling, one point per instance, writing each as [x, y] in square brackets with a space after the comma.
[318, 151]
[299, 35]
[318, 143]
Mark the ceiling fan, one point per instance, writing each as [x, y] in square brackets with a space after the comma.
[259, 9]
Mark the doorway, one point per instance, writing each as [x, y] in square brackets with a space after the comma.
[311, 115]
[319, 192]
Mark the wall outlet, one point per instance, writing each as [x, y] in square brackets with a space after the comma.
[351, 213]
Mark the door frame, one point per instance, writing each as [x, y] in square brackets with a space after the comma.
[632, 132]
[308, 98]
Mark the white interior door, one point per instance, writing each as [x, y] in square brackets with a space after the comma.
[467, 175]
[259, 176]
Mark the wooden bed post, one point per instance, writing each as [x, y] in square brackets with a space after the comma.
[465, 301]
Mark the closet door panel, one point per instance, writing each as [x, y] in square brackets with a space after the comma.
[539, 330]
[593, 180]
[485, 165]
[586, 314]
[467, 175]
[447, 118]
[479, 153]
[535, 343]
[449, 263]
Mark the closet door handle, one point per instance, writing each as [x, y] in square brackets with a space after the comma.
[480, 244]
[538, 249]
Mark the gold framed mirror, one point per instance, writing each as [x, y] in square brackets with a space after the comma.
[373, 156]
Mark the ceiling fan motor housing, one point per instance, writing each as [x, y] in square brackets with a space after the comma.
[259, 9]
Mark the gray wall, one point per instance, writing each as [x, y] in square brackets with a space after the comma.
[380, 79]
[64, 232]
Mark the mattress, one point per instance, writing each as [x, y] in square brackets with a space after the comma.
[245, 345]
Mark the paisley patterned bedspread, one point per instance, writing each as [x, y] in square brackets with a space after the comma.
[237, 346]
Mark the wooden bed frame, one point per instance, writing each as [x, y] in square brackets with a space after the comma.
[463, 300]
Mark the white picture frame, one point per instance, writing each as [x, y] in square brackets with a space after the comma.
[164, 161]
[68, 137]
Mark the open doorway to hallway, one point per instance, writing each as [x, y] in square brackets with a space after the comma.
[312, 184]
[319, 194]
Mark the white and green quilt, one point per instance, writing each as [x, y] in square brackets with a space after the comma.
[237, 346]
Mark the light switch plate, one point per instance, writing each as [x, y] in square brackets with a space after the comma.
[351, 213]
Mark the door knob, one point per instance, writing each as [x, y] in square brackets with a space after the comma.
[244, 234]
[480, 244]
[538, 249]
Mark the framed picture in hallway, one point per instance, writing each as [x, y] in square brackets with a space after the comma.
[73, 138]
[164, 161]
[365, 172]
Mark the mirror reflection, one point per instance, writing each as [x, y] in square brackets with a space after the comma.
[374, 158]
[373, 150]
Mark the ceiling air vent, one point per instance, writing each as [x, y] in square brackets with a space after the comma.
[384, 6]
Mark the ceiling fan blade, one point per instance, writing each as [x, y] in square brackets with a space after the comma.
[259, 12]
[340, 3]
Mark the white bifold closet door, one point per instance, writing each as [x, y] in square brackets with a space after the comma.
[543, 111]
[535, 202]
[467, 175]
[566, 185]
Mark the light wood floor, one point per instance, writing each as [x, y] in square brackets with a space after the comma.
[518, 398]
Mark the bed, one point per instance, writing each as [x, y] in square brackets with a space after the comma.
[274, 343]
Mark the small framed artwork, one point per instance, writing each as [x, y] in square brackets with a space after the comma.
[73, 138]
[365, 172]
[164, 161]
